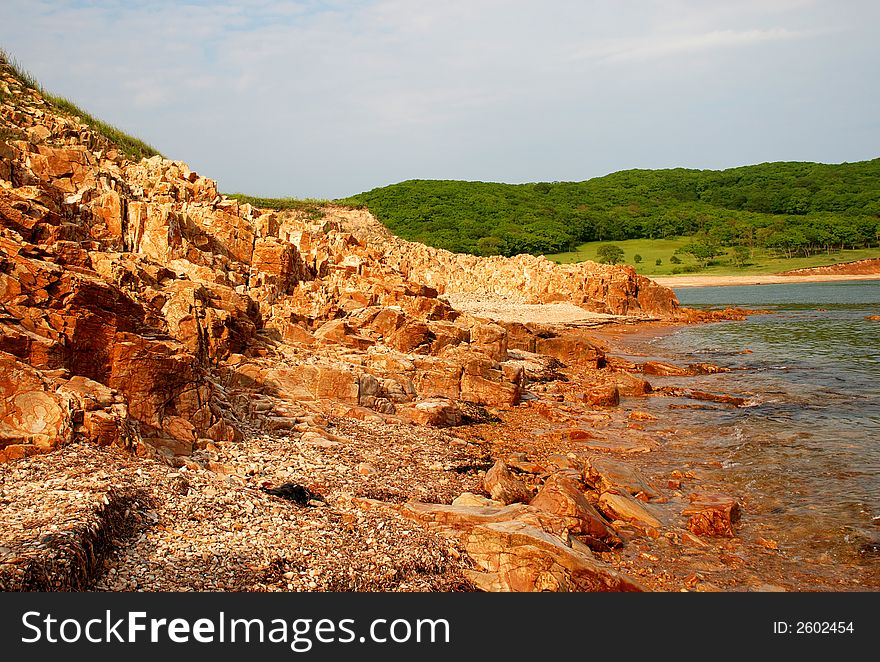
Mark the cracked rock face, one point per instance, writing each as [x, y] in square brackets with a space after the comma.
[143, 279]
[141, 310]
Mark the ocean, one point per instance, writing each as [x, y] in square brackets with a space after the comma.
[804, 452]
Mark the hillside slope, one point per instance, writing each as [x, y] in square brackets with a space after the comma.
[783, 206]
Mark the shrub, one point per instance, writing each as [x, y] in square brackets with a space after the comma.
[609, 254]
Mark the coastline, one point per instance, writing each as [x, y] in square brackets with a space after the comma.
[758, 279]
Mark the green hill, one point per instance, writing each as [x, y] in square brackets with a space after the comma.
[792, 208]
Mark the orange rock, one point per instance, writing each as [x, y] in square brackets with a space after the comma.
[562, 496]
[435, 413]
[32, 415]
[630, 385]
[664, 369]
[712, 514]
[571, 349]
[605, 474]
[502, 486]
[606, 395]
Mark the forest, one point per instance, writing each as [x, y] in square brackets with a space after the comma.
[790, 208]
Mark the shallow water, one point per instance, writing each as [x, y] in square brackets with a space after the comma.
[806, 449]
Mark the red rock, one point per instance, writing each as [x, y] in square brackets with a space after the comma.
[490, 339]
[606, 395]
[571, 349]
[618, 504]
[435, 413]
[515, 556]
[520, 462]
[411, 337]
[605, 474]
[33, 418]
[514, 551]
[502, 486]
[706, 369]
[673, 391]
[562, 496]
[712, 514]
[277, 264]
[340, 333]
[437, 378]
[630, 385]
[664, 369]
[490, 390]
[767, 543]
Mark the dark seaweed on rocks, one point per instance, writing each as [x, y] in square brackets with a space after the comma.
[72, 559]
[292, 492]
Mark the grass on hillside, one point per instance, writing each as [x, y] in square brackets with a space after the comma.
[134, 148]
[761, 262]
[311, 206]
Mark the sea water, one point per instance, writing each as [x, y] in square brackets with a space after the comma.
[805, 449]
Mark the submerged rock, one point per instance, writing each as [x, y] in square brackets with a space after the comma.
[712, 514]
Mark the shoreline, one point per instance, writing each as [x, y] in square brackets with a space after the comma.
[758, 279]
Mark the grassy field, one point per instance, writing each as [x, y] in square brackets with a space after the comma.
[761, 262]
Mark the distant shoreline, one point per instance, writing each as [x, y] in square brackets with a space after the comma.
[758, 279]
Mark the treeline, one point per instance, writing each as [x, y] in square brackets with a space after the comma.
[792, 208]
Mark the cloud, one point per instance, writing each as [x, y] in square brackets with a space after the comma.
[664, 45]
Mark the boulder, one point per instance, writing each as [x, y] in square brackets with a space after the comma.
[519, 548]
[469, 499]
[437, 378]
[33, 417]
[491, 339]
[561, 495]
[631, 386]
[514, 556]
[501, 484]
[619, 505]
[571, 349]
[712, 514]
[661, 369]
[604, 474]
[604, 395]
[438, 413]
[412, 337]
[338, 332]
[487, 386]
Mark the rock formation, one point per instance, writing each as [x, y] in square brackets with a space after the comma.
[142, 310]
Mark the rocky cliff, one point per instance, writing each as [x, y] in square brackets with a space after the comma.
[138, 304]
[141, 310]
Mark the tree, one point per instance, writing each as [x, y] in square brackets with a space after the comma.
[609, 254]
[659, 261]
[490, 246]
[637, 258]
[741, 255]
[703, 252]
[675, 260]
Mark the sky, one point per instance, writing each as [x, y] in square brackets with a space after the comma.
[325, 99]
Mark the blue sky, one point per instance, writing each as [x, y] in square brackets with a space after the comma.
[326, 99]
